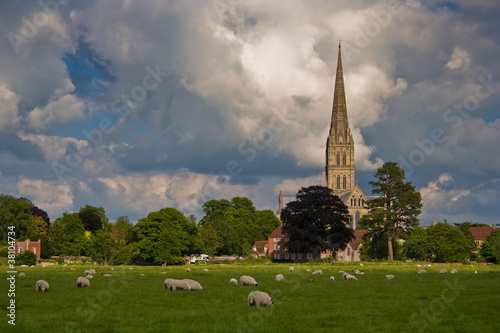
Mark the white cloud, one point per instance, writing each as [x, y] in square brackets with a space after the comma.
[8, 108]
[362, 153]
[290, 187]
[460, 59]
[54, 199]
[60, 110]
[436, 197]
[54, 147]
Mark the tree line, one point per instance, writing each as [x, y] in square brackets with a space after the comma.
[229, 227]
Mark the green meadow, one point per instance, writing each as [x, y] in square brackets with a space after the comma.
[131, 302]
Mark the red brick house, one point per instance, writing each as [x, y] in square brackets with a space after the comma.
[480, 234]
[28, 245]
[260, 249]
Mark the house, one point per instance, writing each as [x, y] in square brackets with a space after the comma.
[27, 245]
[480, 234]
[260, 249]
[351, 252]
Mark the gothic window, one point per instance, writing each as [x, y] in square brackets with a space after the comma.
[362, 202]
[351, 202]
[348, 251]
[338, 158]
[344, 159]
[359, 202]
[344, 183]
[338, 182]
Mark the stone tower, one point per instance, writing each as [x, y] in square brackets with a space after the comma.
[340, 144]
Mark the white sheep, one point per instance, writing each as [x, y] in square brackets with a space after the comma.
[42, 286]
[475, 272]
[332, 278]
[188, 269]
[341, 272]
[92, 271]
[105, 274]
[21, 274]
[291, 269]
[422, 271]
[89, 276]
[179, 285]
[82, 282]
[233, 281]
[246, 280]
[349, 277]
[205, 270]
[259, 298]
[318, 272]
[443, 271]
[356, 271]
[454, 271]
[279, 277]
[193, 285]
[308, 270]
[87, 272]
[167, 283]
[389, 276]
[361, 273]
[360, 264]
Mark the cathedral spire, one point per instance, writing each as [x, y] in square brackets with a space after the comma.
[339, 110]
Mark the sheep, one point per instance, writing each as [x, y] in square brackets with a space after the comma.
[422, 271]
[318, 272]
[92, 271]
[454, 271]
[291, 269]
[105, 274]
[443, 271]
[475, 272]
[71, 269]
[389, 276]
[246, 280]
[361, 273]
[141, 274]
[341, 272]
[179, 285]
[205, 270]
[42, 286]
[82, 282]
[360, 264]
[193, 285]
[87, 272]
[89, 276]
[279, 277]
[332, 278]
[349, 277]
[233, 281]
[259, 298]
[308, 270]
[167, 283]
[21, 274]
[188, 269]
[357, 272]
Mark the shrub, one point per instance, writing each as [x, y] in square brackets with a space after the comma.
[27, 258]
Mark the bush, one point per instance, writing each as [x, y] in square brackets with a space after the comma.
[60, 260]
[27, 258]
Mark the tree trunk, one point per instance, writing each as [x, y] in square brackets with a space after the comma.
[390, 253]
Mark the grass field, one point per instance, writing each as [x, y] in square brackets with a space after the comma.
[130, 302]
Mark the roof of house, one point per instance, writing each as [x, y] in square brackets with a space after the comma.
[260, 246]
[358, 234]
[277, 232]
[480, 233]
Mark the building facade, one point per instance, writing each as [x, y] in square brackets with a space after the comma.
[27, 245]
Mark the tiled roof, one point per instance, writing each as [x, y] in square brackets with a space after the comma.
[260, 246]
[277, 232]
[480, 233]
[359, 238]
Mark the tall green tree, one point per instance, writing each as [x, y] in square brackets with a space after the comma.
[165, 236]
[419, 245]
[396, 208]
[67, 236]
[316, 221]
[449, 244]
[16, 212]
[490, 249]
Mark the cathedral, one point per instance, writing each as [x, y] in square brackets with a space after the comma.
[340, 168]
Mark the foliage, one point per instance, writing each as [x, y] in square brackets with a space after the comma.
[449, 243]
[491, 247]
[15, 212]
[27, 258]
[396, 209]
[418, 245]
[375, 247]
[90, 219]
[67, 236]
[232, 227]
[38, 212]
[41, 226]
[316, 221]
[165, 236]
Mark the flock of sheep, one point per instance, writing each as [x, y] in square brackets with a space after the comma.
[255, 298]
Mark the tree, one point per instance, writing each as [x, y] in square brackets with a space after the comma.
[491, 247]
[91, 220]
[165, 237]
[449, 244]
[67, 236]
[38, 212]
[418, 245]
[15, 212]
[396, 209]
[316, 221]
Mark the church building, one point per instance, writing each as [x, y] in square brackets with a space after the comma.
[340, 175]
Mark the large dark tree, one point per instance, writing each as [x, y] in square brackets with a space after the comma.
[316, 221]
[91, 220]
[36, 211]
[396, 209]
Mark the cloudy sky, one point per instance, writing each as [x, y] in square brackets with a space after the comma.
[139, 105]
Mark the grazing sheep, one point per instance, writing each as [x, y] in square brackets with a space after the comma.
[193, 285]
[188, 269]
[233, 281]
[130, 268]
[205, 270]
[279, 277]
[105, 274]
[21, 274]
[318, 272]
[443, 271]
[349, 277]
[92, 271]
[259, 298]
[87, 272]
[360, 264]
[89, 276]
[179, 285]
[112, 268]
[141, 274]
[389, 276]
[341, 272]
[422, 271]
[454, 271]
[308, 270]
[475, 272]
[357, 272]
[291, 269]
[246, 280]
[332, 278]
[65, 265]
[163, 272]
[167, 283]
[42, 286]
[419, 265]
[82, 282]
[72, 269]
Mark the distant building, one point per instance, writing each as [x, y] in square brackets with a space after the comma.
[27, 245]
[260, 249]
[480, 234]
